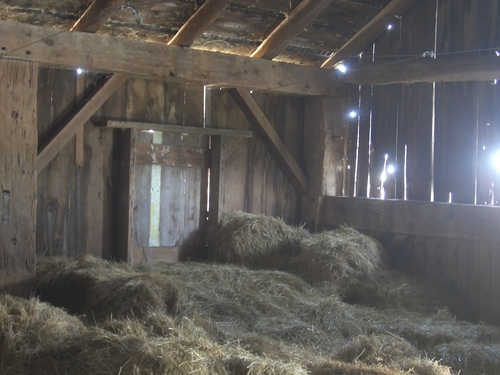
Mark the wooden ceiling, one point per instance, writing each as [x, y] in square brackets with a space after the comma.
[303, 32]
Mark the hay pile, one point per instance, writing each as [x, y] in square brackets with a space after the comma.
[232, 320]
[98, 289]
[338, 310]
[255, 241]
[342, 262]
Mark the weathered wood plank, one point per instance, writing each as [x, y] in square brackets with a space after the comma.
[217, 178]
[18, 183]
[178, 129]
[147, 254]
[158, 61]
[453, 221]
[201, 20]
[104, 165]
[446, 69]
[48, 150]
[272, 139]
[415, 128]
[384, 133]
[172, 156]
[95, 15]
[371, 31]
[298, 19]
[56, 206]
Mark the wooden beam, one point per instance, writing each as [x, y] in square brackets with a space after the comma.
[18, 182]
[216, 198]
[444, 220]
[292, 25]
[179, 129]
[148, 254]
[158, 61]
[370, 32]
[201, 20]
[95, 16]
[453, 69]
[170, 156]
[264, 128]
[47, 152]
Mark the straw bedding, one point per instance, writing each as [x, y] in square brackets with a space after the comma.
[195, 318]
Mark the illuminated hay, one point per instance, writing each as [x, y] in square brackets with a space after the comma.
[231, 320]
[100, 289]
[273, 313]
[342, 262]
[344, 259]
[255, 241]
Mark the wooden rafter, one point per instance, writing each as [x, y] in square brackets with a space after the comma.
[158, 61]
[201, 20]
[266, 131]
[47, 152]
[456, 69]
[369, 33]
[291, 26]
[95, 16]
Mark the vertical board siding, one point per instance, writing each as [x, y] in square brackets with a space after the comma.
[255, 183]
[18, 182]
[56, 194]
[385, 115]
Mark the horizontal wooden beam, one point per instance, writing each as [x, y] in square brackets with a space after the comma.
[266, 131]
[46, 152]
[136, 58]
[178, 129]
[444, 220]
[170, 156]
[170, 254]
[298, 19]
[370, 32]
[452, 69]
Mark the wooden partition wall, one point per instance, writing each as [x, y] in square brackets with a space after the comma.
[455, 244]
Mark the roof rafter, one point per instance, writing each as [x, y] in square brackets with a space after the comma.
[369, 33]
[298, 19]
[201, 20]
[95, 16]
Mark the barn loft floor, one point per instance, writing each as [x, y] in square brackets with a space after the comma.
[240, 29]
[245, 318]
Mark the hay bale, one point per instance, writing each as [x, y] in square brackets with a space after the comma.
[100, 289]
[255, 241]
[342, 260]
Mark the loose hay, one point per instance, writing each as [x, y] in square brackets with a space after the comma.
[343, 259]
[100, 289]
[232, 320]
[255, 241]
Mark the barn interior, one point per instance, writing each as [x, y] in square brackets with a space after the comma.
[250, 187]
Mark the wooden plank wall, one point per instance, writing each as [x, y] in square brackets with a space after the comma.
[18, 148]
[454, 244]
[440, 137]
[254, 181]
[77, 208]
[444, 137]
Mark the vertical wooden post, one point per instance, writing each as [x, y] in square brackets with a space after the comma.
[216, 198]
[124, 200]
[18, 177]
[324, 139]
